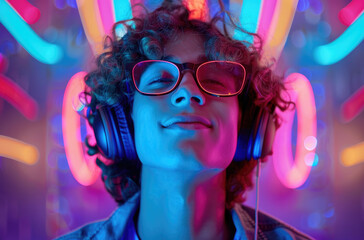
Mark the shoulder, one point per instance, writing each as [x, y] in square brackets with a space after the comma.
[110, 228]
[268, 226]
[85, 232]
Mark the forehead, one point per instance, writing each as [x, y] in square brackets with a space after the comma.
[188, 47]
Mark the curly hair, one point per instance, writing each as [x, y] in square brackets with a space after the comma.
[144, 39]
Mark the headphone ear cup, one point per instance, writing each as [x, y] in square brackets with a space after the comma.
[269, 135]
[259, 135]
[125, 131]
[256, 133]
[112, 133]
[247, 131]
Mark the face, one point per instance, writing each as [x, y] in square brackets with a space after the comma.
[186, 129]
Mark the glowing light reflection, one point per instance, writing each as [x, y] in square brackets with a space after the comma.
[293, 173]
[82, 166]
[21, 31]
[18, 150]
[310, 143]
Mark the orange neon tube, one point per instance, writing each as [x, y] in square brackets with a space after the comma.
[18, 150]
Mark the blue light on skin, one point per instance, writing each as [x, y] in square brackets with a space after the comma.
[183, 169]
[122, 10]
[41, 50]
[338, 49]
[249, 17]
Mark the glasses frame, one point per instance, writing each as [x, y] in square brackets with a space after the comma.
[191, 67]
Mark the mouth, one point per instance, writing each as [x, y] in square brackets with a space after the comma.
[191, 122]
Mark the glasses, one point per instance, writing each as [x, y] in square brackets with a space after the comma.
[217, 78]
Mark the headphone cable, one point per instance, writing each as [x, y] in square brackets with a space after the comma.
[256, 200]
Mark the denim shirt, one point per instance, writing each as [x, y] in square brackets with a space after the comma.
[120, 225]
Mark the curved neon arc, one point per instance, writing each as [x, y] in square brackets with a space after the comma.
[107, 14]
[21, 31]
[353, 106]
[17, 97]
[92, 24]
[82, 166]
[249, 17]
[27, 11]
[293, 172]
[265, 18]
[339, 48]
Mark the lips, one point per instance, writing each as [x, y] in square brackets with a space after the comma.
[187, 121]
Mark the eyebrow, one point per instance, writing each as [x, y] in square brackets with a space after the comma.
[200, 59]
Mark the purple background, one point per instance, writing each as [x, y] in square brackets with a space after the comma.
[43, 201]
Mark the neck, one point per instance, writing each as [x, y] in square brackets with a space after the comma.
[182, 205]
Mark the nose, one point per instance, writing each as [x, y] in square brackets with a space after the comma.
[187, 92]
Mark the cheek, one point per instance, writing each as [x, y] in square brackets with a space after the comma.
[146, 115]
[143, 127]
[225, 136]
[229, 130]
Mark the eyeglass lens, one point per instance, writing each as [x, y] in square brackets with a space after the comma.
[215, 77]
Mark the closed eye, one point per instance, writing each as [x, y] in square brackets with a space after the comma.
[161, 80]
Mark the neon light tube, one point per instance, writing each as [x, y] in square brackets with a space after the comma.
[350, 12]
[352, 155]
[27, 11]
[82, 166]
[18, 150]
[266, 16]
[4, 63]
[17, 97]
[339, 48]
[279, 28]
[293, 173]
[92, 24]
[353, 106]
[249, 17]
[122, 10]
[199, 9]
[38, 48]
[107, 14]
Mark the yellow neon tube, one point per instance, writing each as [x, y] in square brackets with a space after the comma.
[18, 150]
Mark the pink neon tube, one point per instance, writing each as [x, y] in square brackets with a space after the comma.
[266, 16]
[17, 97]
[106, 8]
[27, 11]
[350, 12]
[293, 172]
[353, 105]
[83, 167]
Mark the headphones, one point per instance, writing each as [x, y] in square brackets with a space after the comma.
[114, 132]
